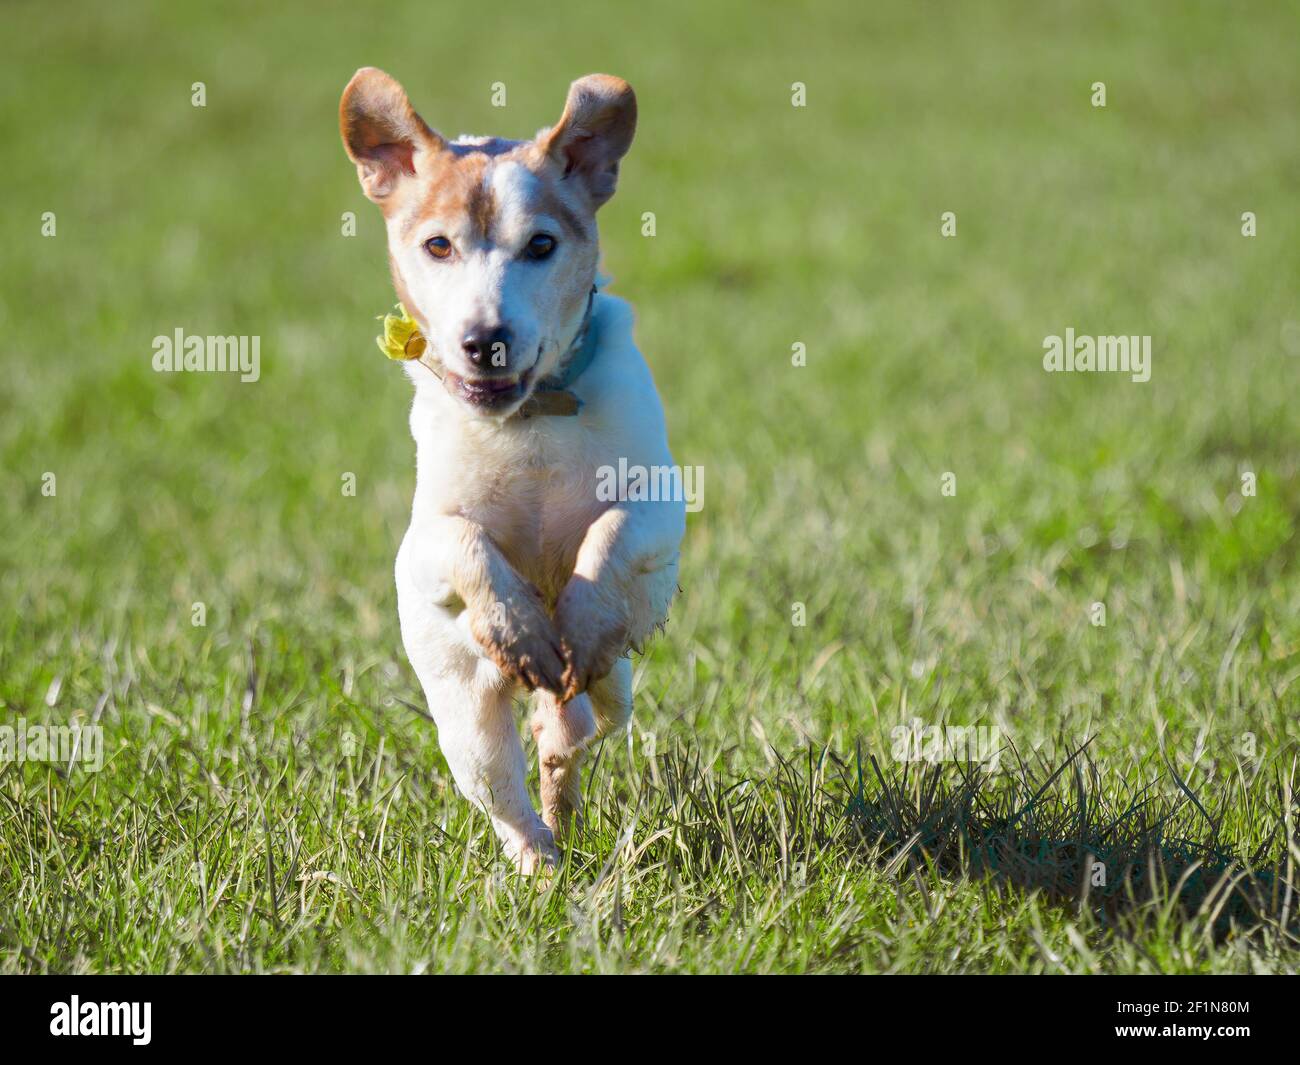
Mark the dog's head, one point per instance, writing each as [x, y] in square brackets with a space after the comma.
[492, 243]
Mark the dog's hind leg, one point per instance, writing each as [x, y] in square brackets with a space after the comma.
[562, 731]
[611, 697]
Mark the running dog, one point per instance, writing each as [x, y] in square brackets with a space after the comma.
[514, 570]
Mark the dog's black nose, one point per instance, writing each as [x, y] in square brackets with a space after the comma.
[488, 348]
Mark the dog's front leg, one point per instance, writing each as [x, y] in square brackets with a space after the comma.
[478, 737]
[623, 581]
[461, 602]
[505, 614]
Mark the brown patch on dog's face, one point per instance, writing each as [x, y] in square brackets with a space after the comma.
[451, 186]
[492, 243]
[482, 208]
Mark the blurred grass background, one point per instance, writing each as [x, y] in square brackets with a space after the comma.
[775, 225]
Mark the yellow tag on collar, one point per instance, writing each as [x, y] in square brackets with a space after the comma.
[402, 338]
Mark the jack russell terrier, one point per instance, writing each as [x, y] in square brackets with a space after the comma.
[514, 571]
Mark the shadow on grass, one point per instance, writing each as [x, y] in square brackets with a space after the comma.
[1056, 831]
[1121, 853]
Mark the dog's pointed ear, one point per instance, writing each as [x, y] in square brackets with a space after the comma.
[382, 133]
[594, 133]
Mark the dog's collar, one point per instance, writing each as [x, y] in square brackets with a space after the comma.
[552, 395]
[403, 340]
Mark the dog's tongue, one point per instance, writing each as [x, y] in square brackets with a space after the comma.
[487, 384]
[495, 386]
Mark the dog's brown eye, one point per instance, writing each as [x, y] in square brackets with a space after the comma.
[540, 246]
[438, 247]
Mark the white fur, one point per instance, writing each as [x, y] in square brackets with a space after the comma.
[488, 283]
[529, 487]
[514, 569]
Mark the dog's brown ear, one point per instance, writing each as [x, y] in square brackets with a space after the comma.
[381, 132]
[594, 132]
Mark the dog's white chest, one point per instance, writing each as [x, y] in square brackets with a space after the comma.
[537, 513]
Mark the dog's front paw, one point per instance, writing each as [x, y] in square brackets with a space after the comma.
[521, 639]
[534, 854]
[593, 624]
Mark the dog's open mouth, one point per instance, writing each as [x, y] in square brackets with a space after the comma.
[488, 393]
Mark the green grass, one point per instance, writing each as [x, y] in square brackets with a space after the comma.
[271, 803]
